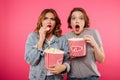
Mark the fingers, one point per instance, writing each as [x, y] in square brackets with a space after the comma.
[57, 68]
[90, 39]
[53, 69]
[44, 29]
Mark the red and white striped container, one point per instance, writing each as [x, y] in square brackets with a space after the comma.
[53, 57]
[77, 47]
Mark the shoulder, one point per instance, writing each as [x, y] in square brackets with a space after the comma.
[91, 31]
[33, 36]
[61, 39]
[68, 33]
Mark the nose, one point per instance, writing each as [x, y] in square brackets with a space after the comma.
[49, 21]
[77, 21]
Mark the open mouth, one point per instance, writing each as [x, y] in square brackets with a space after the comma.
[77, 27]
[49, 26]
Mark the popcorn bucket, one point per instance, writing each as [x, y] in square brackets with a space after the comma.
[53, 56]
[77, 47]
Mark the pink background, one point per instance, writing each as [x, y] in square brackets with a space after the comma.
[18, 18]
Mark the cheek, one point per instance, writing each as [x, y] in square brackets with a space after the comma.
[83, 22]
[43, 23]
[53, 26]
[53, 23]
[72, 23]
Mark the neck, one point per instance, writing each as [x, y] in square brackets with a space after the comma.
[48, 36]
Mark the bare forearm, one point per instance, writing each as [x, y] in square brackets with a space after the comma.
[99, 53]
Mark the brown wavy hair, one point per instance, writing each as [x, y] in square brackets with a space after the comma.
[87, 23]
[42, 16]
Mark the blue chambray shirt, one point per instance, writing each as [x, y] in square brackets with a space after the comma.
[35, 56]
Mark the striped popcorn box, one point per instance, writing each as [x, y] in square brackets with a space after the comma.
[77, 47]
[53, 56]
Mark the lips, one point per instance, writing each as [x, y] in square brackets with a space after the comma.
[49, 26]
[77, 28]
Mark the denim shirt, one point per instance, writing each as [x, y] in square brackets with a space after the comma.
[35, 56]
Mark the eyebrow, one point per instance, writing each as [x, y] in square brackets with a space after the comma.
[78, 16]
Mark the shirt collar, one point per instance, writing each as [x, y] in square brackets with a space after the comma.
[52, 40]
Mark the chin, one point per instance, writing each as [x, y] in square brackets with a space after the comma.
[48, 32]
[77, 33]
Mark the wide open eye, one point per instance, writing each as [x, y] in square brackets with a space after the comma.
[73, 18]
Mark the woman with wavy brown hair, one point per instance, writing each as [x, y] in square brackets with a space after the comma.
[45, 36]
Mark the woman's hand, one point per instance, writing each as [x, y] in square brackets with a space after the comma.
[42, 32]
[89, 39]
[57, 68]
[98, 51]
